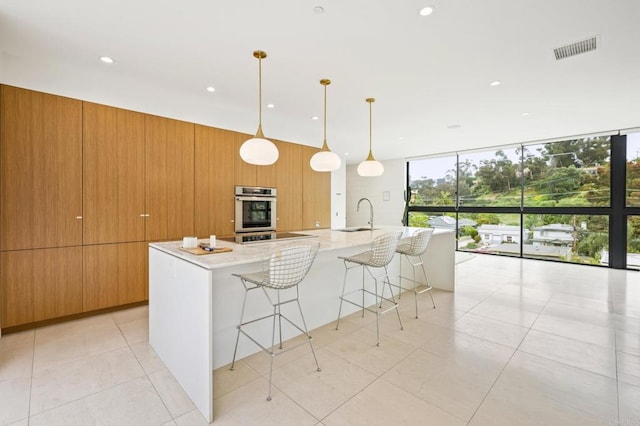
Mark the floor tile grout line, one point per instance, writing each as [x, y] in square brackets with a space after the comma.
[146, 374]
[87, 396]
[505, 365]
[33, 361]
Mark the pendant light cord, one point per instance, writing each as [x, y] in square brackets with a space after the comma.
[370, 126]
[260, 92]
[325, 115]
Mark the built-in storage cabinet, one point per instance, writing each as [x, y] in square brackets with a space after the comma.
[40, 170]
[114, 274]
[214, 197]
[316, 194]
[113, 178]
[40, 284]
[289, 184]
[169, 178]
[84, 187]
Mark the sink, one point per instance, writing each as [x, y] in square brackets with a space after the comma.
[356, 229]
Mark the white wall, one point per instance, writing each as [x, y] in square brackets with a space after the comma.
[386, 192]
[338, 197]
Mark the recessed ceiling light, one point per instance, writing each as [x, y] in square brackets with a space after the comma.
[318, 10]
[495, 83]
[271, 106]
[346, 154]
[401, 139]
[427, 10]
[315, 117]
[211, 89]
[106, 59]
[524, 114]
[454, 126]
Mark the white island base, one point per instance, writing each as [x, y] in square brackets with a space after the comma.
[194, 302]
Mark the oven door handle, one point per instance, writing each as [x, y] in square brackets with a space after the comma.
[255, 198]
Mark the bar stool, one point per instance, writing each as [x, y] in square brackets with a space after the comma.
[284, 267]
[413, 252]
[382, 251]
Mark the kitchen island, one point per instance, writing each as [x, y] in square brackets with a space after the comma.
[194, 302]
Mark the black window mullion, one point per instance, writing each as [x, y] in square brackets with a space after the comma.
[617, 219]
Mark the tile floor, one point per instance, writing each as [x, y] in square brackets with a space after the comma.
[520, 342]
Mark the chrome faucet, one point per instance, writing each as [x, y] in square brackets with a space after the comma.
[370, 210]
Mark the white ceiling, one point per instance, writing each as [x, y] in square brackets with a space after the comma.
[426, 73]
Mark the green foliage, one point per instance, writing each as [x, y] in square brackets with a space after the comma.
[470, 231]
[488, 219]
[591, 244]
[418, 219]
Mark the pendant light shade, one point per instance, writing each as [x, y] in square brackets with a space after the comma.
[325, 160]
[258, 150]
[370, 166]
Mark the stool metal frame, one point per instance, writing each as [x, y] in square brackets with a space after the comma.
[413, 251]
[378, 258]
[283, 268]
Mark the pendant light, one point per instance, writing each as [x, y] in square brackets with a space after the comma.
[370, 166]
[325, 160]
[258, 150]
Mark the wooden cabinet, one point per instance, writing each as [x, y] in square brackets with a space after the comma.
[40, 284]
[214, 189]
[316, 194]
[169, 178]
[40, 170]
[114, 274]
[113, 178]
[84, 186]
[289, 184]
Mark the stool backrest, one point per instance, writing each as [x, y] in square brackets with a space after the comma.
[287, 265]
[383, 248]
[419, 241]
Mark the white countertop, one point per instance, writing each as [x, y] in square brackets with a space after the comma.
[249, 253]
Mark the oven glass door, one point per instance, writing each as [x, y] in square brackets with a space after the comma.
[255, 214]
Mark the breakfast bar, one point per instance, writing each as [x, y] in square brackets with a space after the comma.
[195, 302]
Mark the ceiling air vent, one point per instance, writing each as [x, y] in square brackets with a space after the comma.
[577, 48]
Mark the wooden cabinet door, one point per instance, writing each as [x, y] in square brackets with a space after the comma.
[289, 186]
[114, 274]
[214, 187]
[245, 173]
[316, 194]
[169, 178]
[40, 284]
[40, 170]
[113, 178]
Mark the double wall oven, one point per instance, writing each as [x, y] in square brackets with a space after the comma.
[255, 209]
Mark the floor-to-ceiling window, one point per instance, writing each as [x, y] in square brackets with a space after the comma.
[550, 200]
[632, 200]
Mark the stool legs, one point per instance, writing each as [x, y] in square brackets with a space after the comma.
[379, 297]
[276, 314]
[415, 282]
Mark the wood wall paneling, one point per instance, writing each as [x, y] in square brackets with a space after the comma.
[169, 178]
[40, 170]
[214, 187]
[113, 186]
